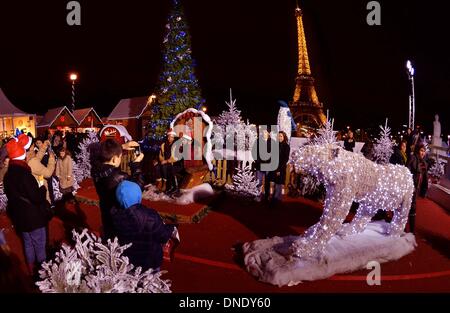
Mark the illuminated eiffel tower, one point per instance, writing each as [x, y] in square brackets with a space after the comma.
[305, 106]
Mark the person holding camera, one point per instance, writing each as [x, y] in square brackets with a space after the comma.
[106, 158]
[42, 173]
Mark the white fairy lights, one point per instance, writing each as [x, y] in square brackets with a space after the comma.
[351, 177]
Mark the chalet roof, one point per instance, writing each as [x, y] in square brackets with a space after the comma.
[81, 114]
[50, 117]
[129, 108]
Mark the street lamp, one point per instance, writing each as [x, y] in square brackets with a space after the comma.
[151, 99]
[412, 101]
[73, 77]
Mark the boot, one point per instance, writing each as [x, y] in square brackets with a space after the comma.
[164, 185]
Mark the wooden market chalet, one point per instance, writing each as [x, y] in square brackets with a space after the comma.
[132, 113]
[64, 120]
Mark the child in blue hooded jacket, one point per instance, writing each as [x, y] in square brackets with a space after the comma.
[141, 226]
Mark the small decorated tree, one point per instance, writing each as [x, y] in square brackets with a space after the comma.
[245, 136]
[245, 183]
[93, 267]
[326, 134]
[232, 117]
[383, 147]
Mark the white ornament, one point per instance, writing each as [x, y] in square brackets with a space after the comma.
[350, 177]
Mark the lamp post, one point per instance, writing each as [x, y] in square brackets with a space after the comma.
[73, 77]
[412, 101]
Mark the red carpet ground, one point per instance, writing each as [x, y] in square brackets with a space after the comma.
[190, 213]
[208, 258]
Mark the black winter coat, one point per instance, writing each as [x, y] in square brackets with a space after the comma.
[265, 147]
[349, 145]
[144, 228]
[26, 201]
[106, 179]
[283, 158]
[414, 167]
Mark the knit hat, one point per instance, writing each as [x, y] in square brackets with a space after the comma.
[15, 149]
[128, 194]
[25, 141]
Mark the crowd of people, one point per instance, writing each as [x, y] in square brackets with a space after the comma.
[30, 166]
[29, 169]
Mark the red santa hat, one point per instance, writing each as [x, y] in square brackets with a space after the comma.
[25, 141]
[15, 149]
[171, 132]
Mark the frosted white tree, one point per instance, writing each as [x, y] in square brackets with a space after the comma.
[326, 134]
[57, 195]
[245, 183]
[230, 117]
[83, 166]
[92, 267]
[437, 170]
[245, 136]
[383, 147]
[3, 199]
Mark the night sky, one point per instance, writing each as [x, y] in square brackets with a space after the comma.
[250, 46]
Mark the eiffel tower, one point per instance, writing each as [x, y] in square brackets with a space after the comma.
[305, 107]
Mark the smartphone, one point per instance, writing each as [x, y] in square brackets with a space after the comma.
[137, 151]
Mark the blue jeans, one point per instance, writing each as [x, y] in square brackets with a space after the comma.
[260, 175]
[277, 195]
[34, 245]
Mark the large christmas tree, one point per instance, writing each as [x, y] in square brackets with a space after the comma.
[178, 88]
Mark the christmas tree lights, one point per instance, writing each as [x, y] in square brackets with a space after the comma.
[178, 88]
